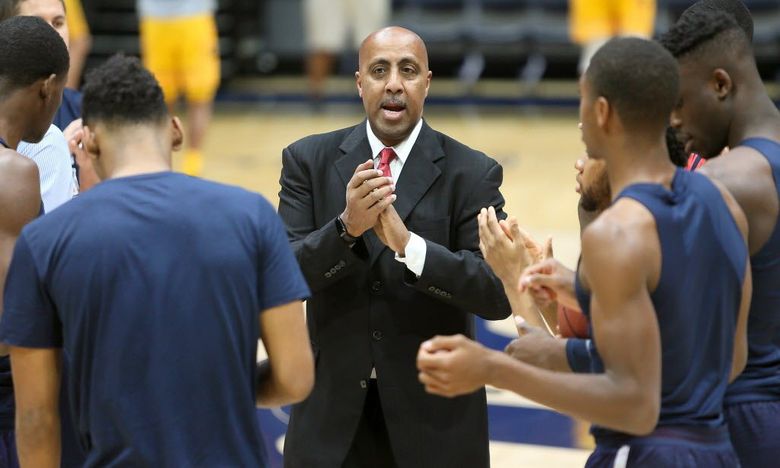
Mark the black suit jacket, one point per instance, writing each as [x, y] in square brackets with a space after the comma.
[368, 310]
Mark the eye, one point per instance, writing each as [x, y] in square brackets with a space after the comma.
[378, 70]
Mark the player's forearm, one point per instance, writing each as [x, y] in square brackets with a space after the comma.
[523, 305]
[38, 437]
[619, 405]
[274, 391]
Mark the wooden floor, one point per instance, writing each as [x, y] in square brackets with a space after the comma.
[537, 152]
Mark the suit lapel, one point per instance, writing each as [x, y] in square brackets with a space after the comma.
[418, 174]
[419, 171]
[356, 150]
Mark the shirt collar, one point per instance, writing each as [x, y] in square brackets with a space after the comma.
[402, 149]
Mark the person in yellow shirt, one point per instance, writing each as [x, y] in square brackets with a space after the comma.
[179, 45]
[593, 22]
[80, 41]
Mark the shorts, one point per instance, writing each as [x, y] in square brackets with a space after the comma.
[183, 54]
[755, 432]
[591, 20]
[77, 22]
[668, 447]
[329, 23]
[8, 457]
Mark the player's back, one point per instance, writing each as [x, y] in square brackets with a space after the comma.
[697, 301]
[157, 281]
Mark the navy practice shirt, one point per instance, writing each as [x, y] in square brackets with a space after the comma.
[760, 381]
[153, 284]
[69, 110]
[697, 298]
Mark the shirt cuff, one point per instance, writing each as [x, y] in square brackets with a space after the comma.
[415, 251]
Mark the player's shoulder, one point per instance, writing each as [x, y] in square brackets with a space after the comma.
[220, 189]
[626, 227]
[739, 167]
[15, 168]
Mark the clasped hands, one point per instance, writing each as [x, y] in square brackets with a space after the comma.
[370, 198]
[455, 365]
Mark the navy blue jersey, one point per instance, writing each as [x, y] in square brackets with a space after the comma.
[697, 298]
[69, 110]
[153, 285]
[760, 381]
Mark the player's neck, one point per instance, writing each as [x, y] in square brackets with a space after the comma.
[636, 161]
[755, 116]
[136, 153]
[10, 132]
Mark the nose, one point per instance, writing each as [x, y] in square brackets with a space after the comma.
[394, 84]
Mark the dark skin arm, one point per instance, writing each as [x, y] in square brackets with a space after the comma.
[627, 396]
[740, 355]
[747, 176]
[20, 197]
[537, 348]
[288, 375]
[36, 374]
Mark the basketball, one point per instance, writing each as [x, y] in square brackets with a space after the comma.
[572, 323]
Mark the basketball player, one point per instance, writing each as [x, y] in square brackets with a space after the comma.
[658, 399]
[594, 22]
[723, 103]
[55, 165]
[595, 197]
[80, 41]
[33, 70]
[161, 325]
[180, 45]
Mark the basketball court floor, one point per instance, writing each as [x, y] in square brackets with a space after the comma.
[537, 150]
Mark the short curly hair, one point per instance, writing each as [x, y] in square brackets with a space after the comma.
[704, 30]
[31, 50]
[122, 91]
[735, 8]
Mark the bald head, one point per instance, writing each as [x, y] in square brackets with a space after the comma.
[393, 81]
[393, 36]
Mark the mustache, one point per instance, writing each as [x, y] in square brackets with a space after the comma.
[393, 102]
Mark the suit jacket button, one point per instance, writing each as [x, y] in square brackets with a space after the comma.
[363, 384]
[377, 335]
[376, 287]
[431, 289]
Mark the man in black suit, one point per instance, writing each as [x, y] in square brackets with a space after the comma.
[390, 265]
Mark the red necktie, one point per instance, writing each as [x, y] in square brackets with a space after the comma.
[385, 157]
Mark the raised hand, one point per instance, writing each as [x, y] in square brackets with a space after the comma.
[550, 281]
[368, 194]
[391, 230]
[507, 248]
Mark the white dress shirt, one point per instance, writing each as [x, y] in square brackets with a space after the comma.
[55, 168]
[415, 249]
